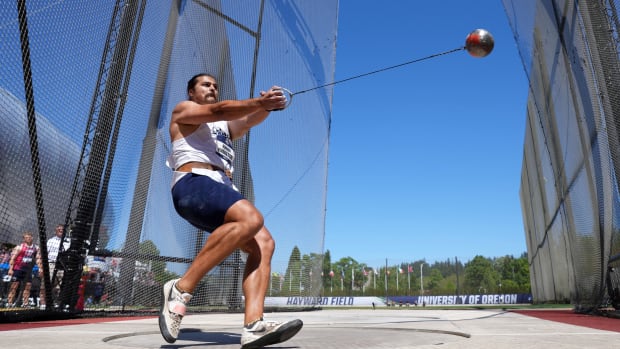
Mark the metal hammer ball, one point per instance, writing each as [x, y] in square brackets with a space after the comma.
[479, 43]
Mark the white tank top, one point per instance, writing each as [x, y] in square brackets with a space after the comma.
[210, 143]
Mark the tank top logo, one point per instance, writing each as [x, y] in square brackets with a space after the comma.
[223, 144]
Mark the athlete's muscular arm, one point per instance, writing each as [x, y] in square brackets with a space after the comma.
[192, 113]
[241, 126]
[188, 114]
[16, 250]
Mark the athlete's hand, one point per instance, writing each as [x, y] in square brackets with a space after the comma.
[274, 99]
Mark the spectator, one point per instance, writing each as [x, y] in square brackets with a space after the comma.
[5, 255]
[5, 279]
[35, 288]
[55, 249]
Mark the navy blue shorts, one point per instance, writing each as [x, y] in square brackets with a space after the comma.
[23, 275]
[202, 201]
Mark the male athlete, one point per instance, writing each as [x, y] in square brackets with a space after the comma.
[23, 259]
[201, 130]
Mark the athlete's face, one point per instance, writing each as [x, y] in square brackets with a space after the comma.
[205, 91]
[28, 239]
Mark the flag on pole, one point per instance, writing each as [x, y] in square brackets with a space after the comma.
[331, 273]
[364, 272]
[410, 269]
[400, 270]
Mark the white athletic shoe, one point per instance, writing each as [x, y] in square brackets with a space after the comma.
[172, 311]
[264, 333]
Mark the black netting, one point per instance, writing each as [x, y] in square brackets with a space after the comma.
[86, 93]
[569, 188]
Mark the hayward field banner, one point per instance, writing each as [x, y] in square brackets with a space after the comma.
[330, 301]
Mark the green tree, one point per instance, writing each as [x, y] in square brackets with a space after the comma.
[309, 274]
[435, 279]
[292, 278]
[276, 283]
[147, 268]
[311, 270]
[327, 265]
[480, 276]
[348, 276]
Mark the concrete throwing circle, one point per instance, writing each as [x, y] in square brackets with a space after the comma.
[322, 337]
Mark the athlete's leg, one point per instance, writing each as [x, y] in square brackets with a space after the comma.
[13, 291]
[258, 332]
[241, 223]
[257, 274]
[233, 222]
[42, 298]
[26, 294]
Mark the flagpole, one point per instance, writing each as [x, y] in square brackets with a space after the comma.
[364, 280]
[408, 279]
[386, 283]
[421, 279]
[374, 279]
[352, 278]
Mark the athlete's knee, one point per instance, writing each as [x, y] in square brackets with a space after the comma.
[262, 244]
[244, 213]
[265, 242]
[250, 226]
[255, 220]
[269, 245]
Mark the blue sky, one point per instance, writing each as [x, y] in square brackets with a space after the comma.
[425, 159]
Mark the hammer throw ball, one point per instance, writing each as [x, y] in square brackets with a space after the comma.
[479, 43]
